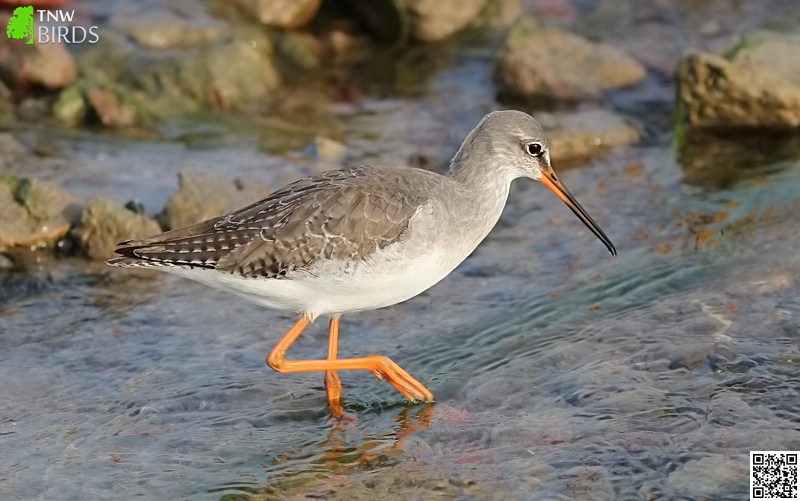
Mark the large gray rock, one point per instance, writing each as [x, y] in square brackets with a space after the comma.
[549, 63]
[756, 85]
[202, 196]
[202, 69]
[234, 75]
[104, 223]
[33, 212]
[584, 134]
[770, 52]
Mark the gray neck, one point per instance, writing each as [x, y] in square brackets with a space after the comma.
[482, 168]
[483, 186]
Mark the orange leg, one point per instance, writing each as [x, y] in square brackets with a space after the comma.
[380, 366]
[333, 386]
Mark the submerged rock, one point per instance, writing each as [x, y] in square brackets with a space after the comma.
[548, 63]
[104, 223]
[33, 212]
[202, 196]
[755, 85]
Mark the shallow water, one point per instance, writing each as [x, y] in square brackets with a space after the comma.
[557, 370]
[560, 372]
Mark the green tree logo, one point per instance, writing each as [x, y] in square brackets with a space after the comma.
[21, 24]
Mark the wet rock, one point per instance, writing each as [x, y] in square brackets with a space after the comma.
[22, 160]
[548, 425]
[109, 104]
[286, 14]
[104, 223]
[237, 73]
[426, 20]
[33, 212]
[756, 85]
[434, 20]
[95, 97]
[70, 107]
[7, 117]
[548, 63]
[329, 149]
[726, 408]
[586, 133]
[344, 42]
[299, 51]
[109, 109]
[202, 196]
[769, 52]
[11, 150]
[497, 14]
[689, 355]
[165, 28]
[588, 482]
[327, 154]
[707, 476]
[46, 65]
[233, 75]
[632, 400]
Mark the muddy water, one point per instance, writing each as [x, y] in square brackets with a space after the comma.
[559, 371]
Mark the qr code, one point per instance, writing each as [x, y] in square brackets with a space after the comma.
[773, 475]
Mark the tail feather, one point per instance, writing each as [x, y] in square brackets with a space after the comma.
[162, 249]
[132, 262]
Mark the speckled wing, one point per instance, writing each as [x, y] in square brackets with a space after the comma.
[337, 215]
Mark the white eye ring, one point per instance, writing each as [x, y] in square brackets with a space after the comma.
[535, 149]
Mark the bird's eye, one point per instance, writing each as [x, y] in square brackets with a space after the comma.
[534, 149]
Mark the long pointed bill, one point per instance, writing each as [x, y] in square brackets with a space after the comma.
[561, 191]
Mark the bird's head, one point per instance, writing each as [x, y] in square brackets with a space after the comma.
[520, 148]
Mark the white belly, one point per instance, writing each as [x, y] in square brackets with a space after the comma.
[335, 287]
